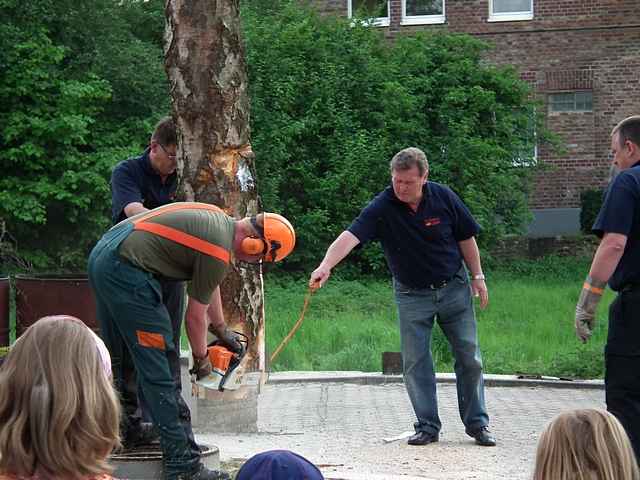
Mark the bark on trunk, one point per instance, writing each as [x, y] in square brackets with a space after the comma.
[205, 63]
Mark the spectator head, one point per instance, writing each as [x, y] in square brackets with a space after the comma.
[585, 444]
[279, 465]
[59, 414]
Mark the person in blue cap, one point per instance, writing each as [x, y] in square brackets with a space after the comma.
[279, 465]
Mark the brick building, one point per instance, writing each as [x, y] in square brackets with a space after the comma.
[581, 56]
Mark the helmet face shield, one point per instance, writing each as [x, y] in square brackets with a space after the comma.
[276, 238]
[279, 236]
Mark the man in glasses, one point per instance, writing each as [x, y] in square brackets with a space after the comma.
[139, 184]
[148, 180]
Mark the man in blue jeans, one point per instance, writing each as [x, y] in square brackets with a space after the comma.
[426, 233]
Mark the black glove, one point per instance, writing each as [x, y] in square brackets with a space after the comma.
[201, 367]
[231, 340]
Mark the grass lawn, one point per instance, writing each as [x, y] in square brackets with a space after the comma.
[527, 327]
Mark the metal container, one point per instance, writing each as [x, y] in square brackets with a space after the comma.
[145, 463]
[5, 288]
[50, 294]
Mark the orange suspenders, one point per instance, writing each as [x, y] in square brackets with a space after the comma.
[181, 237]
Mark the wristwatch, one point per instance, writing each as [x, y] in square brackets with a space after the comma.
[480, 276]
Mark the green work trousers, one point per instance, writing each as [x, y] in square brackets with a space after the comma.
[134, 323]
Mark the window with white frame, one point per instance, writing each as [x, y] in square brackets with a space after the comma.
[420, 12]
[527, 156]
[510, 10]
[581, 101]
[376, 10]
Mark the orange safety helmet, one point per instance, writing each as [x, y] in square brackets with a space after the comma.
[276, 241]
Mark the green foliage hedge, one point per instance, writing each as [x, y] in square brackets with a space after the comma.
[81, 83]
[332, 101]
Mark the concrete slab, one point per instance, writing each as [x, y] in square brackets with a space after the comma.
[376, 378]
[341, 427]
[145, 463]
[551, 222]
[228, 411]
[358, 476]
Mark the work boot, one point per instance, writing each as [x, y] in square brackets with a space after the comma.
[203, 473]
[143, 433]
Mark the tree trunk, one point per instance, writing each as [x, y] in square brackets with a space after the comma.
[205, 63]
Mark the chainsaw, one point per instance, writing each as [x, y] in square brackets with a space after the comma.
[225, 374]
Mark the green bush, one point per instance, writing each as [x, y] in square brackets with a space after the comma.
[333, 100]
[590, 203]
[584, 361]
[550, 266]
[78, 94]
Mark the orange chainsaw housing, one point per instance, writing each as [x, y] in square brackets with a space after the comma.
[220, 358]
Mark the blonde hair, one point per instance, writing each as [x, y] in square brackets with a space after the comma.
[59, 414]
[584, 445]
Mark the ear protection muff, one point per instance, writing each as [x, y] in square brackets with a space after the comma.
[253, 246]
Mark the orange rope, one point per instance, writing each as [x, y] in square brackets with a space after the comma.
[297, 325]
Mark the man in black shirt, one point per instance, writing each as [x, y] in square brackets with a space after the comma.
[426, 233]
[617, 261]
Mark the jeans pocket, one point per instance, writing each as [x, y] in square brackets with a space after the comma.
[461, 276]
[149, 291]
[400, 288]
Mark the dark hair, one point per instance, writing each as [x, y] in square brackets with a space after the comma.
[629, 129]
[407, 158]
[165, 132]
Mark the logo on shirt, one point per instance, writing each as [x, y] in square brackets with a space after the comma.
[431, 222]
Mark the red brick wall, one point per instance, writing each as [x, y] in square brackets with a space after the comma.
[338, 7]
[607, 62]
[568, 45]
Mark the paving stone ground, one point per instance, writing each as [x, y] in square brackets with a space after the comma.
[341, 427]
